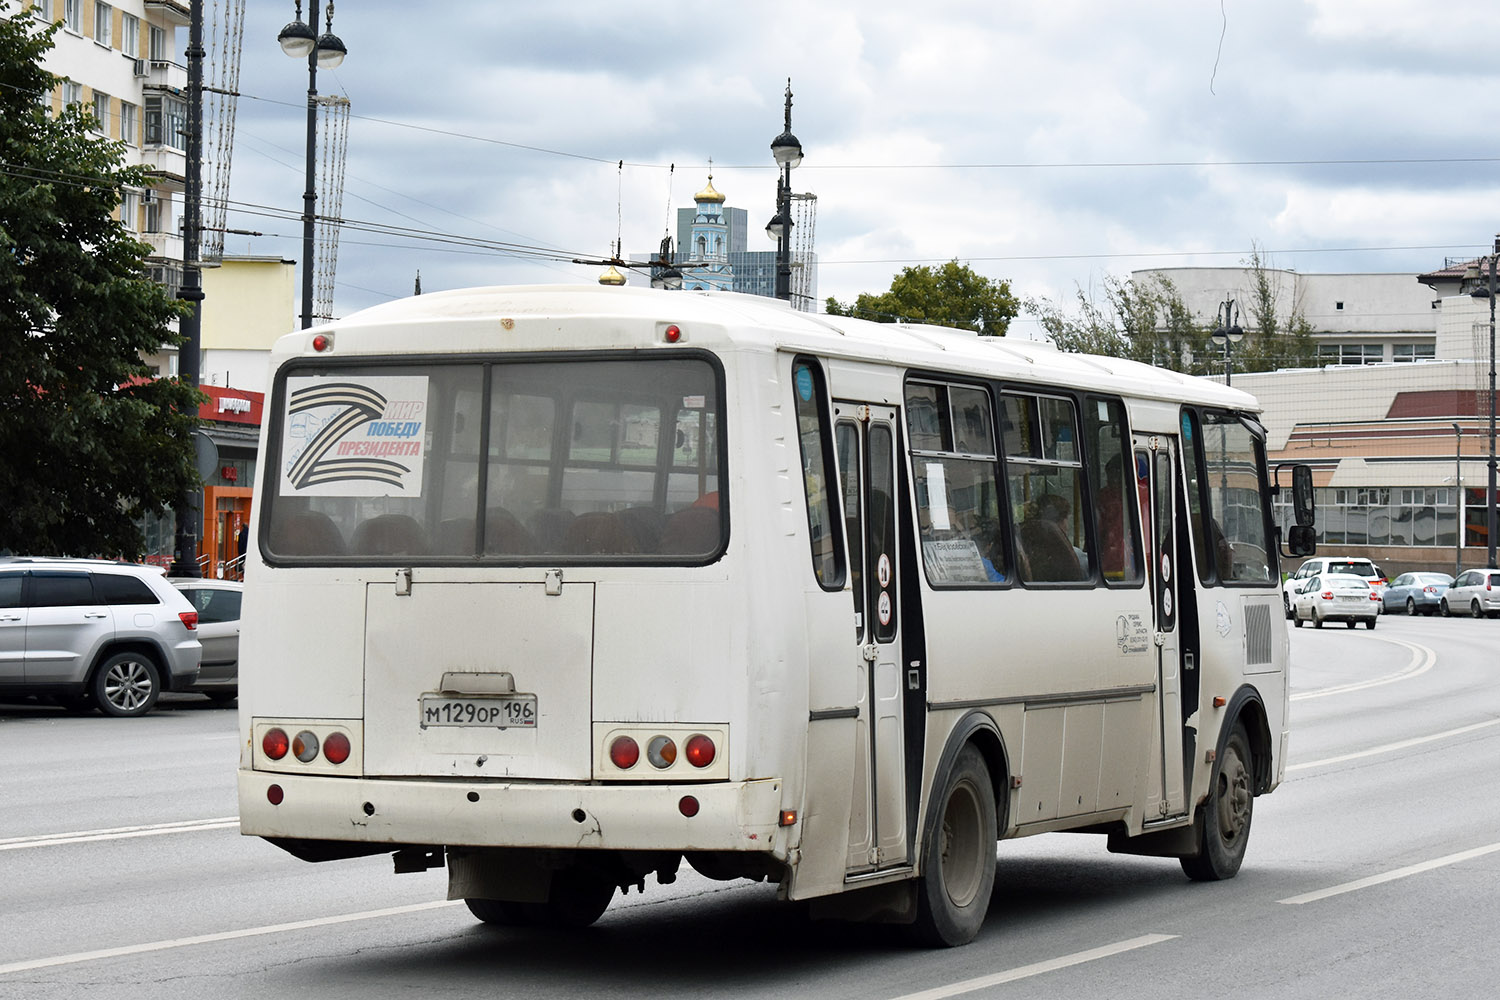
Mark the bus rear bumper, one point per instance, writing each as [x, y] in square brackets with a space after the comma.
[731, 816]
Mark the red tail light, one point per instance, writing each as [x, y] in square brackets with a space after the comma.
[700, 750]
[1374, 596]
[1378, 583]
[190, 619]
[275, 743]
[1327, 595]
[624, 752]
[336, 748]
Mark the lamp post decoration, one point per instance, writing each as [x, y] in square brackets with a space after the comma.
[300, 40]
[1227, 331]
[788, 153]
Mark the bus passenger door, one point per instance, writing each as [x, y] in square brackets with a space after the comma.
[866, 444]
[1156, 474]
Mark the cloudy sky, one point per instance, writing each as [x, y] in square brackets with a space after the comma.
[1049, 144]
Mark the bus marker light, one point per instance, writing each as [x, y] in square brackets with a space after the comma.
[624, 752]
[1219, 702]
[274, 795]
[322, 342]
[336, 748]
[672, 334]
[700, 750]
[305, 746]
[688, 806]
[275, 743]
[788, 817]
[661, 752]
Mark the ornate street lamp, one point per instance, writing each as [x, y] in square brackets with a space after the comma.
[1489, 501]
[788, 154]
[302, 41]
[1227, 331]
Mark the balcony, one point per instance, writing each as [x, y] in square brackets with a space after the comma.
[164, 75]
[165, 162]
[164, 245]
[173, 12]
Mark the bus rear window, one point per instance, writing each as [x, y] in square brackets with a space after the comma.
[588, 460]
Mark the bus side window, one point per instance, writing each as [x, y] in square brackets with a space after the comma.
[815, 440]
[1045, 474]
[1115, 522]
[957, 489]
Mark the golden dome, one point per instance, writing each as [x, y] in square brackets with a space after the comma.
[611, 277]
[708, 193]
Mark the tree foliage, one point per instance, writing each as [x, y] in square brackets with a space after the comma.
[1274, 337]
[88, 442]
[950, 295]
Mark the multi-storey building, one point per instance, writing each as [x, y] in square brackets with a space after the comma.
[120, 60]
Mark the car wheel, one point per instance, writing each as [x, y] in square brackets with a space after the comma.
[1443, 609]
[1368, 624]
[1316, 619]
[1350, 623]
[1475, 610]
[1223, 825]
[1286, 606]
[1411, 607]
[958, 860]
[1297, 622]
[126, 685]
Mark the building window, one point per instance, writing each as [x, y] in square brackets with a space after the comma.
[41, 9]
[166, 121]
[158, 44]
[153, 212]
[1413, 352]
[104, 22]
[1351, 354]
[73, 16]
[129, 116]
[101, 110]
[72, 93]
[1421, 516]
[130, 35]
[130, 210]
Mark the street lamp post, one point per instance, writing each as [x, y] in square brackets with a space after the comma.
[300, 40]
[1489, 500]
[1458, 493]
[1227, 332]
[788, 153]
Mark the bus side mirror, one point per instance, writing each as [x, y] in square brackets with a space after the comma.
[1303, 510]
[1301, 540]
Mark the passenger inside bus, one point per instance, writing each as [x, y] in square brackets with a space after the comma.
[1044, 544]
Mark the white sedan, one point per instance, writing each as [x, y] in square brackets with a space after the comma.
[1335, 597]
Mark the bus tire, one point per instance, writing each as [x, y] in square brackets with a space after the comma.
[497, 912]
[958, 860]
[579, 897]
[1224, 818]
[126, 685]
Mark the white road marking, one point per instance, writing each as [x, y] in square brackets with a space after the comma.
[117, 833]
[1026, 971]
[1417, 869]
[296, 925]
[1422, 660]
[1392, 747]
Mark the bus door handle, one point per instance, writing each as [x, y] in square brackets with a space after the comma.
[871, 652]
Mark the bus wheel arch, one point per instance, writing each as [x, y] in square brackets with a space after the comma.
[965, 817]
[1241, 771]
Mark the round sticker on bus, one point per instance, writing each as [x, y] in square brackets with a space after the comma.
[804, 384]
[883, 570]
[1166, 568]
[1166, 603]
[883, 608]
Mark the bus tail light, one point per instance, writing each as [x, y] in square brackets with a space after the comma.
[336, 748]
[275, 743]
[190, 619]
[688, 806]
[624, 752]
[274, 795]
[661, 752]
[305, 746]
[700, 750]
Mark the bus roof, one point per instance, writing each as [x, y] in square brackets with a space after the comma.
[629, 317]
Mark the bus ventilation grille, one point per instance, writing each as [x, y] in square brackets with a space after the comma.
[1257, 634]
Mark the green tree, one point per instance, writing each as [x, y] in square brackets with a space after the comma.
[1144, 320]
[951, 295]
[1271, 340]
[88, 442]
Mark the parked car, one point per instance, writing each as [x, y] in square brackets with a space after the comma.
[1415, 592]
[218, 604]
[91, 633]
[1322, 565]
[1476, 592]
[1336, 597]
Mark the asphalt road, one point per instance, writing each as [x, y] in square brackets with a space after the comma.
[1374, 871]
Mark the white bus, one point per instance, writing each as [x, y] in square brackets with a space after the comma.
[560, 586]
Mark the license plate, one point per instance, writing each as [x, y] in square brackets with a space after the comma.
[515, 711]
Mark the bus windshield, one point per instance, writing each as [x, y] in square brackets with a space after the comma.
[517, 461]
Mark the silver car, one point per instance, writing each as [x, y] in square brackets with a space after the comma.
[218, 604]
[1338, 597]
[91, 633]
[1476, 592]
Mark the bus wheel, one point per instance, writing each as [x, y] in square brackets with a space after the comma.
[498, 912]
[958, 860]
[1224, 820]
[126, 685]
[579, 897]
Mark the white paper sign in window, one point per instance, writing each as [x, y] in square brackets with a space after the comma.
[354, 437]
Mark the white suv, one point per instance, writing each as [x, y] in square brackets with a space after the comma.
[1476, 592]
[91, 633]
[1322, 566]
